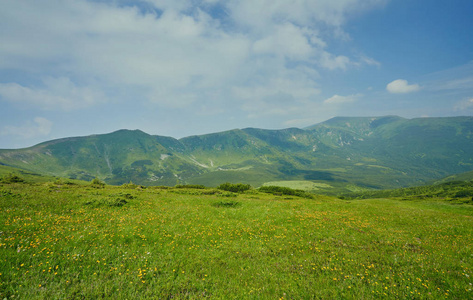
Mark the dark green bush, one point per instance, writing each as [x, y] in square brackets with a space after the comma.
[118, 202]
[12, 178]
[112, 202]
[234, 187]
[228, 194]
[463, 194]
[97, 182]
[130, 185]
[64, 181]
[281, 190]
[231, 204]
[190, 186]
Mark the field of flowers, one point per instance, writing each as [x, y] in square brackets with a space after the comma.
[70, 241]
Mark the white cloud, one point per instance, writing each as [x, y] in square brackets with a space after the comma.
[259, 14]
[57, 94]
[175, 58]
[176, 5]
[453, 84]
[278, 93]
[400, 86]
[464, 105]
[277, 86]
[287, 40]
[333, 62]
[40, 127]
[457, 79]
[368, 61]
[337, 99]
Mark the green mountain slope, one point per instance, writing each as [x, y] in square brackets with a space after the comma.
[466, 176]
[23, 175]
[373, 152]
[118, 157]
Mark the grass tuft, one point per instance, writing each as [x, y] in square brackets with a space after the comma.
[231, 204]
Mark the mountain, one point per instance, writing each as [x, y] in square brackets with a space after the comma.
[374, 152]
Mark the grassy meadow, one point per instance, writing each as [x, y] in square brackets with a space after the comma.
[82, 241]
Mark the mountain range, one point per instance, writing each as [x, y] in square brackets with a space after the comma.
[366, 152]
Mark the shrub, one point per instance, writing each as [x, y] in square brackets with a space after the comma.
[118, 202]
[112, 202]
[12, 178]
[210, 192]
[281, 190]
[129, 185]
[190, 186]
[231, 204]
[63, 181]
[97, 182]
[228, 194]
[234, 187]
[463, 194]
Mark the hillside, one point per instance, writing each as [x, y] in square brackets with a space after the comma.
[467, 176]
[377, 152]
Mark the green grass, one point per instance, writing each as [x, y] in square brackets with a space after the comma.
[61, 241]
[331, 188]
[255, 177]
[299, 185]
[452, 191]
[24, 174]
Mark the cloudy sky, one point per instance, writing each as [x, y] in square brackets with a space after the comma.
[187, 67]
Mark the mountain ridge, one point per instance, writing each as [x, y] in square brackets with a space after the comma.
[377, 152]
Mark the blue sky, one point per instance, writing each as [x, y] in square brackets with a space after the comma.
[181, 68]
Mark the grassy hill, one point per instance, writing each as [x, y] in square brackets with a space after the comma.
[453, 191]
[377, 153]
[118, 157]
[28, 176]
[408, 152]
[67, 241]
[467, 176]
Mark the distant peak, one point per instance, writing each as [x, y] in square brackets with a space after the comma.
[341, 121]
[129, 130]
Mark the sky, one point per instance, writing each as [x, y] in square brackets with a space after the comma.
[189, 67]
